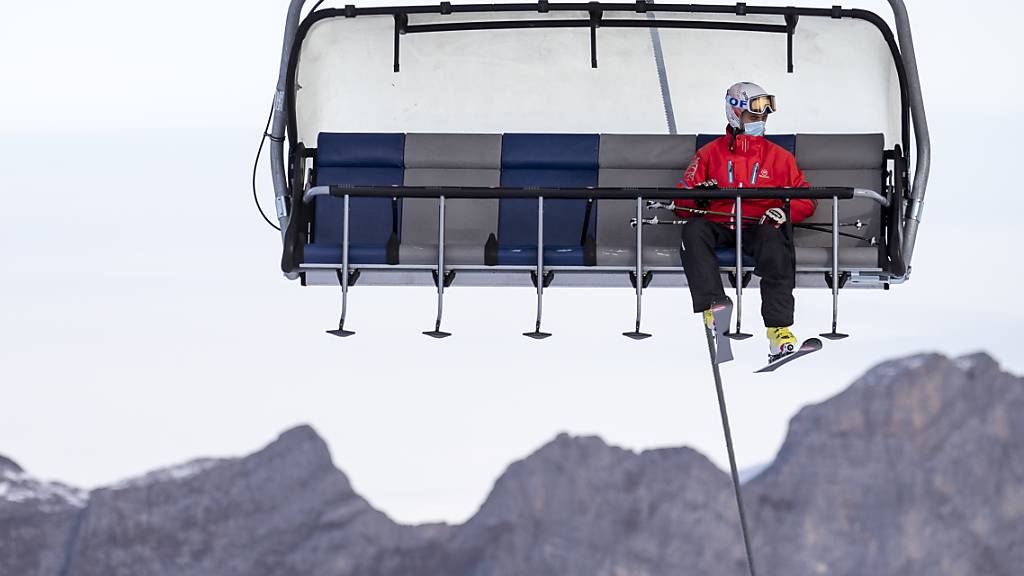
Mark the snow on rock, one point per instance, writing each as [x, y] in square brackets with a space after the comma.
[16, 486]
[896, 370]
[171, 474]
[977, 362]
[893, 371]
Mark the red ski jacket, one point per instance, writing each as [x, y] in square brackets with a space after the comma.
[753, 162]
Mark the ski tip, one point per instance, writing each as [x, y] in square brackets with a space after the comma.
[811, 343]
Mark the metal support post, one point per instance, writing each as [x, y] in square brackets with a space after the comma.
[537, 334]
[738, 334]
[637, 334]
[441, 277]
[344, 276]
[836, 279]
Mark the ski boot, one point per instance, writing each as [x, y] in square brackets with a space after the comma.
[781, 343]
[716, 320]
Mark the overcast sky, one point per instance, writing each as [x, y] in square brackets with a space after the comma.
[144, 322]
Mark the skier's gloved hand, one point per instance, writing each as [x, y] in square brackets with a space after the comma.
[704, 203]
[774, 216]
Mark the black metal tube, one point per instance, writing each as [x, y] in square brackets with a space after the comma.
[540, 24]
[450, 192]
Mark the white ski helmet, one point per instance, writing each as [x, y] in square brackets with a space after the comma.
[747, 96]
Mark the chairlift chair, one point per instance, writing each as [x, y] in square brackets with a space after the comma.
[524, 138]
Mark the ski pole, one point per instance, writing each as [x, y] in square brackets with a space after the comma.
[655, 221]
[654, 204]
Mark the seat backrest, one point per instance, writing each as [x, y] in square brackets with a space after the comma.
[472, 160]
[363, 159]
[637, 160]
[854, 160]
[547, 160]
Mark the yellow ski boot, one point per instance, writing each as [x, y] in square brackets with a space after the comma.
[781, 343]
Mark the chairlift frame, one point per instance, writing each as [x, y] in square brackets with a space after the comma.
[901, 220]
[901, 203]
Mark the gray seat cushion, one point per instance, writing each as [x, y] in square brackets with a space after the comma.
[450, 160]
[639, 160]
[849, 257]
[853, 160]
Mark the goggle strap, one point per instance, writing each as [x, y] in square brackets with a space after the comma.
[769, 107]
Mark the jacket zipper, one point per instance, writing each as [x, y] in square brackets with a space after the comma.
[732, 218]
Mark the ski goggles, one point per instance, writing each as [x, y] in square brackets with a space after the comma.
[760, 105]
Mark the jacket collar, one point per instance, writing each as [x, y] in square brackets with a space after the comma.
[742, 144]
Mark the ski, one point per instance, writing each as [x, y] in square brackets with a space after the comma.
[723, 319]
[809, 346]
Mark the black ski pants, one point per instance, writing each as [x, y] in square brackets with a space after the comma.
[771, 251]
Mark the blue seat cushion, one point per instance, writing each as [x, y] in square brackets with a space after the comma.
[727, 257]
[553, 255]
[787, 141]
[360, 150]
[357, 160]
[549, 151]
[357, 254]
[546, 161]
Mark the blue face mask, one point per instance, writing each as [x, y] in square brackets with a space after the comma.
[754, 128]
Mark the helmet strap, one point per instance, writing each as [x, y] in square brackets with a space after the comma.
[733, 132]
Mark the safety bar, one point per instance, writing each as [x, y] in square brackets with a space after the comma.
[471, 192]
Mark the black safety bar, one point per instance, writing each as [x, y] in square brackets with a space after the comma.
[820, 193]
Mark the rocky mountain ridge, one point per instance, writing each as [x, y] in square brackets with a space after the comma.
[917, 468]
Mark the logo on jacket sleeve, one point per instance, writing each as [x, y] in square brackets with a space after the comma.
[691, 170]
